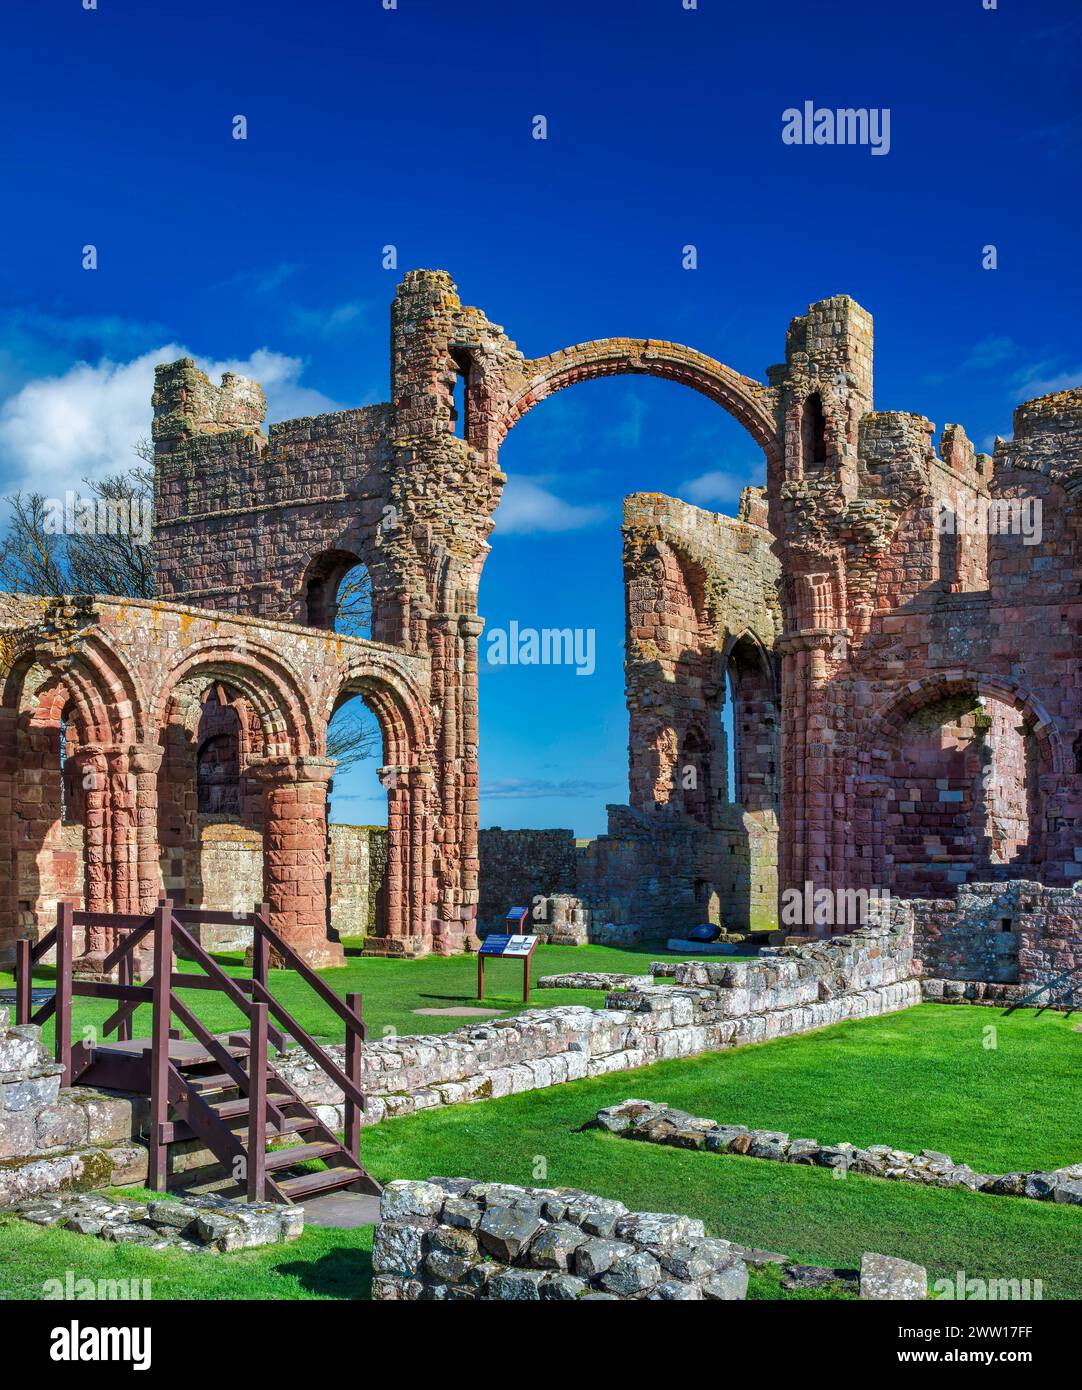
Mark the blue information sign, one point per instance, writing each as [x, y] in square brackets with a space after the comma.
[508, 947]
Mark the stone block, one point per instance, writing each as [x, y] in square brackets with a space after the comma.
[883, 1277]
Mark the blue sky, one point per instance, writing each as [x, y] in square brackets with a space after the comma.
[414, 127]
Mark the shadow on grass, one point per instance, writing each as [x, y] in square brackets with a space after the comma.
[341, 1273]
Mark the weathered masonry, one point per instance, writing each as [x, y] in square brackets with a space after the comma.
[906, 695]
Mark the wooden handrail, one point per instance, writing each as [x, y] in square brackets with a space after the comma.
[24, 972]
[65, 950]
[127, 944]
[257, 1106]
[43, 1013]
[317, 1054]
[301, 966]
[46, 943]
[218, 979]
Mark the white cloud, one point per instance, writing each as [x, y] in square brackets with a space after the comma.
[327, 322]
[83, 423]
[990, 352]
[1042, 380]
[527, 507]
[717, 486]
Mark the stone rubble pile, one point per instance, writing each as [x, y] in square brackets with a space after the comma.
[657, 1123]
[707, 1007]
[453, 1239]
[194, 1224]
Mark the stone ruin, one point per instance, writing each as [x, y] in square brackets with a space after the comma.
[456, 1240]
[905, 693]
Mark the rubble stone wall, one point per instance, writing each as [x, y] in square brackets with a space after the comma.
[455, 1239]
[518, 866]
[1015, 933]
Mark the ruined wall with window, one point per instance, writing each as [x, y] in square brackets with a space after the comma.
[699, 841]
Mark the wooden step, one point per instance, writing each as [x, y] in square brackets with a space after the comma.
[217, 1081]
[308, 1184]
[299, 1153]
[231, 1109]
[294, 1124]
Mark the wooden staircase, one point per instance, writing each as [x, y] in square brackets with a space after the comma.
[221, 1092]
[300, 1157]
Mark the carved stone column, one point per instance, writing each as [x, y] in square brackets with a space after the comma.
[295, 854]
[145, 761]
[470, 629]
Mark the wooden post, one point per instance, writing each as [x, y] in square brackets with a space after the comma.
[260, 953]
[257, 1104]
[526, 980]
[353, 1071]
[158, 1053]
[125, 975]
[24, 971]
[480, 975]
[65, 920]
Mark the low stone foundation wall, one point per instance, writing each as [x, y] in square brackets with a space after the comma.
[194, 1225]
[709, 1007]
[1062, 997]
[456, 1240]
[657, 1123]
[594, 979]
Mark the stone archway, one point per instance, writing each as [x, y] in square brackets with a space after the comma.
[950, 785]
[422, 849]
[71, 725]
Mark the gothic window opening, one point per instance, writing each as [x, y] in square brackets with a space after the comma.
[338, 595]
[813, 431]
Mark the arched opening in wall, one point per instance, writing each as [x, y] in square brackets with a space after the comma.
[460, 394]
[755, 755]
[218, 755]
[960, 801]
[604, 597]
[749, 820]
[813, 433]
[694, 774]
[358, 820]
[68, 837]
[210, 810]
[47, 807]
[337, 594]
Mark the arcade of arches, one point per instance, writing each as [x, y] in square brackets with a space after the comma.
[905, 702]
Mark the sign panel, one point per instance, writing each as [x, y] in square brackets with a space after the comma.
[502, 945]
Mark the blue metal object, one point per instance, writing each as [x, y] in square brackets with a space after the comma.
[706, 932]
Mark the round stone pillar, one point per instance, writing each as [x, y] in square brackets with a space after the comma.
[295, 854]
[145, 761]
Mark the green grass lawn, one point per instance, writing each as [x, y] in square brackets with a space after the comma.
[923, 1078]
[392, 989]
